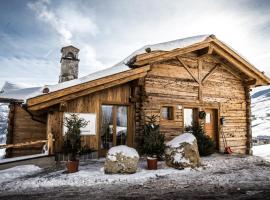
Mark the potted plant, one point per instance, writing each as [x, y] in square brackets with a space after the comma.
[153, 142]
[72, 142]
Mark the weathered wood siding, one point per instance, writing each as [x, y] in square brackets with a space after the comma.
[168, 85]
[87, 104]
[24, 129]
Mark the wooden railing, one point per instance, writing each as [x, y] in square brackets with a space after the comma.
[18, 145]
[49, 142]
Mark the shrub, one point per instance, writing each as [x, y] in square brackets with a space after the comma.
[206, 145]
[72, 141]
[153, 141]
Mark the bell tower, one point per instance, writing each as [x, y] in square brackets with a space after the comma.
[69, 64]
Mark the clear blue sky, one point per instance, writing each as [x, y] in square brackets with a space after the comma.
[32, 32]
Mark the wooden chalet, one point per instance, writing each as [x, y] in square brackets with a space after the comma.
[174, 80]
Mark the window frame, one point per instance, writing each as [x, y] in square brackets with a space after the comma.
[195, 117]
[170, 107]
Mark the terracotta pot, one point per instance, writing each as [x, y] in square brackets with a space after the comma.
[72, 166]
[152, 163]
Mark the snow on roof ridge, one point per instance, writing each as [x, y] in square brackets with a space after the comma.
[118, 68]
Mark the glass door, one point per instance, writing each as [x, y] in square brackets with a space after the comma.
[114, 127]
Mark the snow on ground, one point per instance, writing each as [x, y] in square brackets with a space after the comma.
[216, 169]
[17, 172]
[262, 151]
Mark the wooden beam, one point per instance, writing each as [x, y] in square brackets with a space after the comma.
[210, 50]
[85, 92]
[187, 68]
[244, 63]
[84, 86]
[235, 62]
[212, 71]
[200, 79]
[18, 145]
[228, 68]
[250, 82]
[171, 54]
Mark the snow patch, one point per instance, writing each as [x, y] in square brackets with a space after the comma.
[177, 141]
[262, 151]
[17, 172]
[179, 158]
[260, 109]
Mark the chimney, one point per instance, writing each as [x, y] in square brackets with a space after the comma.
[69, 64]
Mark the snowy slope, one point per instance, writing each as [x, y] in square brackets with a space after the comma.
[3, 126]
[260, 109]
[262, 151]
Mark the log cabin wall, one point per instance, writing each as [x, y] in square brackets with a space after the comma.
[23, 128]
[170, 84]
[87, 104]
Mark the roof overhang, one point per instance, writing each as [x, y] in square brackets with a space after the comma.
[66, 94]
[211, 46]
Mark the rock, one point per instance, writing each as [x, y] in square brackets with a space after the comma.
[120, 160]
[182, 152]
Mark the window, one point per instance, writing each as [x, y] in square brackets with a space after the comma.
[188, 117]
[167, 112]
[208, 118]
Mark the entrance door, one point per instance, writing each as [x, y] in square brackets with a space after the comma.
[211, 124]
[114, 127]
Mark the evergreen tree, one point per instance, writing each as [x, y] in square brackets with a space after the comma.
[153, 141]
[206, 145]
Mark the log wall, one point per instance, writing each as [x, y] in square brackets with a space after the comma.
[87, 104]
[23, 129]
[170, 84]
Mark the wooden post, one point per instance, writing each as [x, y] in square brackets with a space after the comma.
[200, 79]
[248, 117]
[50, 143]
[50, 136]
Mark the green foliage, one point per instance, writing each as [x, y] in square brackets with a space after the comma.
[206, 145]
[72, 142]
[153, 141]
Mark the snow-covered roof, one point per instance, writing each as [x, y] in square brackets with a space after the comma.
[27, 93]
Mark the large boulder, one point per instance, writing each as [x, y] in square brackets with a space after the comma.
[121, 160]
[182, 152]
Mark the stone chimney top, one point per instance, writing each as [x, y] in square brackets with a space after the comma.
[69, 64]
